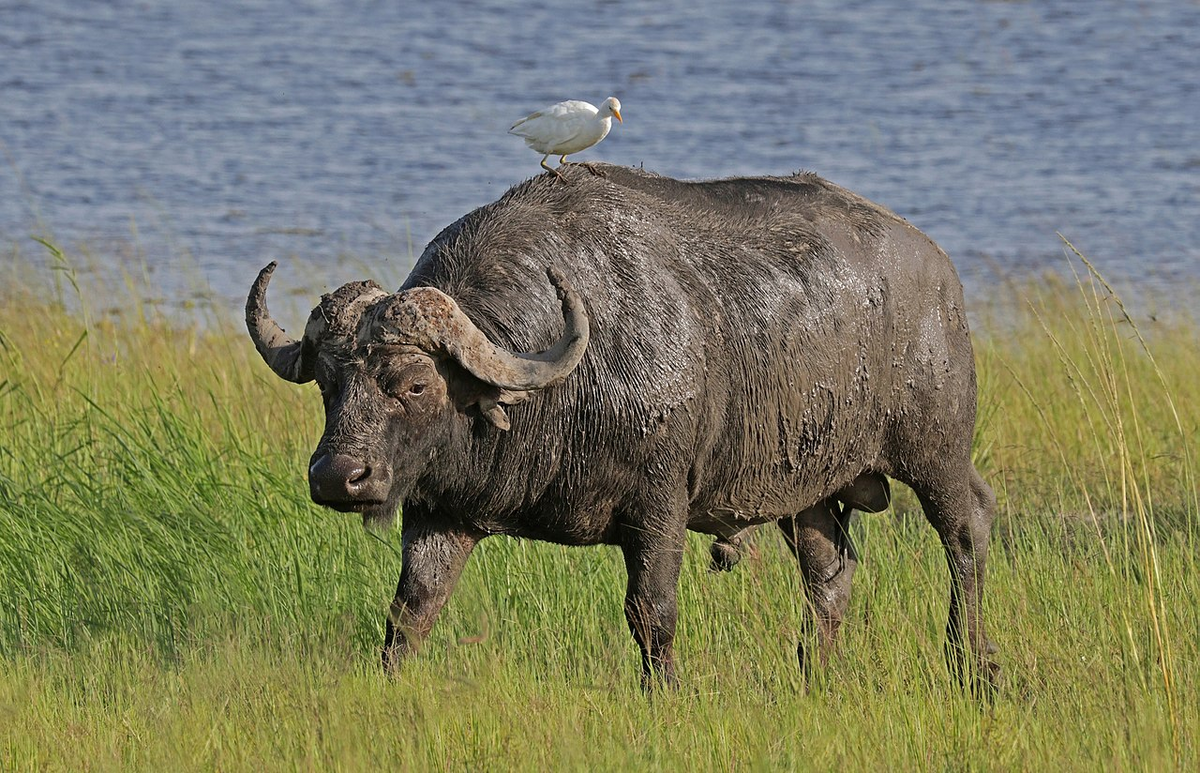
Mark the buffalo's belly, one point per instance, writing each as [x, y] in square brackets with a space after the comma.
[782, 468]
[557, 522]
[727, 523]
[727, 512]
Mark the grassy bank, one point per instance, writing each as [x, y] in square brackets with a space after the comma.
[169, 597]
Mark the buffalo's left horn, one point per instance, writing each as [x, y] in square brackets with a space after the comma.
[432, 319]
[280, 351]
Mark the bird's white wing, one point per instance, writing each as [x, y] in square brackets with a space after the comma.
[525, 120]
[555, 126]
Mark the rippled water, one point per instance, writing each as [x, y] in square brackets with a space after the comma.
[184, 138]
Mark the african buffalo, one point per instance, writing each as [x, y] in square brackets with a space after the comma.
[705, 355]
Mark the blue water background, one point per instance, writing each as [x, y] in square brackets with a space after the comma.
[190, 142]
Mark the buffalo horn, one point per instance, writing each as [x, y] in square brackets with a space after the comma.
[281, 352]
[436, 319]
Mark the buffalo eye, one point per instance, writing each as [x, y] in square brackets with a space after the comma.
[401, 389]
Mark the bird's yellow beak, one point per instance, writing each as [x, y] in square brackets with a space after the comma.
[617, 115]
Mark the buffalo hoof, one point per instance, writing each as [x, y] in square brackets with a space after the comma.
[977, 673]
[390, 659]
[660, 679]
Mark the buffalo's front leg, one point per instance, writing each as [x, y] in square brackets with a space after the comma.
[653, 559]
[432, 560]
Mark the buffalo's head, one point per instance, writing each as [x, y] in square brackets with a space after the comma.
[396, 371]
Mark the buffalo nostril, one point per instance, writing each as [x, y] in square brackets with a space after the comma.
[337, 476]
[357, 479]
[345, 468]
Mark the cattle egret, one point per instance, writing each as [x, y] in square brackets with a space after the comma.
[566, 128]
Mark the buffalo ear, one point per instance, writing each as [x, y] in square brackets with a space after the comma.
[496, 415]
[492, 402]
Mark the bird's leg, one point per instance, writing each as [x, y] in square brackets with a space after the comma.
[549, 169]
[562, 160]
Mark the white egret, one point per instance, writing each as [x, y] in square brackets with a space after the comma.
[566, 128]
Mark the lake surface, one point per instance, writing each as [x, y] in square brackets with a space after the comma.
[193, 141]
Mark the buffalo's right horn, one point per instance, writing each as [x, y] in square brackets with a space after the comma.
[528, 370]
[281, 352]
[429, 318]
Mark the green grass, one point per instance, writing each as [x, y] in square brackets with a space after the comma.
[169, 599]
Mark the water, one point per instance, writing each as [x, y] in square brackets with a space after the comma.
[194, 141]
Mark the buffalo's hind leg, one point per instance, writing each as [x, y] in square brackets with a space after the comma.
[961, 507]
[821, 543]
